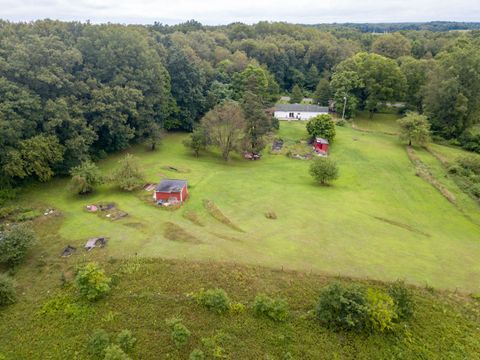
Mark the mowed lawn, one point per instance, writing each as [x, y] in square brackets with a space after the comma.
[377, 221]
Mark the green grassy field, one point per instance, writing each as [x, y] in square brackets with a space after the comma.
[378, 221]
[383, 122]
[149, 291]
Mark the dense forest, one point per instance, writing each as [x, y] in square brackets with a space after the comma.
[73, 91]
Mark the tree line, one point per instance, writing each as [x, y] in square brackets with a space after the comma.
[72, 92]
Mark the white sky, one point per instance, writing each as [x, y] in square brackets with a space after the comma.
[214, 12]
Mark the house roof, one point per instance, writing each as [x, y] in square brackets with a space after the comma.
[301, 107]
[170, 186]
[320, 140]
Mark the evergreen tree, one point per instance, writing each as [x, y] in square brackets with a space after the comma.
[297, 95]
[323, 92]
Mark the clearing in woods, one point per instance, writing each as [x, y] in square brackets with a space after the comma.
[379, 220]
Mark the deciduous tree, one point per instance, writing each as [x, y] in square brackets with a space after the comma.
[128, 176]
[414, 128]
[85, 177]
[296, 97]
[225, 126]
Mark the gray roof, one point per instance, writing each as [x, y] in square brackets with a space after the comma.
[170, 186]
[301, 107]
[321, 140]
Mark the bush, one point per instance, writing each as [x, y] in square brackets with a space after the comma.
[91, 282]
[321, 126]
[470, 139]
[196, 354]
[215, 300]
[98, 343]
[180, 334]
[7, 290]
[275, 309]
[7, 193]
[114, 352]
[381, 311]
[403, 299]
[324, 170]
[126, 341]
[237, 308]
[470, 164]
[14, 244]
[342, 307]
[341, 122]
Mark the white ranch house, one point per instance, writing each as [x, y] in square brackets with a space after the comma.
[298, 111]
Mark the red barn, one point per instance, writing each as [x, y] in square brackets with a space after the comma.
[168, 190]
[320, 145]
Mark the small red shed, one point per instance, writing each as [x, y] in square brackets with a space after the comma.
[168, 189]
[320, 145]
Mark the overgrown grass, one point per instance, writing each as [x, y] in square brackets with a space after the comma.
[175, 232]
[217, 214]
[49, 322]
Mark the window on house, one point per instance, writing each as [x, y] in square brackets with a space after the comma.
[291, 115]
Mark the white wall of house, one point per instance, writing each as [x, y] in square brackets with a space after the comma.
[298, 115]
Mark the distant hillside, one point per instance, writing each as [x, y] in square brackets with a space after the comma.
[391, 27]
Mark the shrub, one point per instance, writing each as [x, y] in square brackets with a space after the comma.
[470, 139]
[98, 343]
[324, 170]
[196, 354]
[126, 341]
[322, 126]
[271, 215]
[215, 300]
[470, 163]
[7, 193]
[7, 290]
[180, 334]
[14, 244]
[114, 352]
[341, 122]
[237, 308]
[275, 309]
[342, 307]
[403, 299]
[381, 311]
[91, 282]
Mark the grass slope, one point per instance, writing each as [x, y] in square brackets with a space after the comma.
[377, 221]
[149, 291]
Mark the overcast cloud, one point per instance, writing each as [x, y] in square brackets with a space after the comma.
[214, 12]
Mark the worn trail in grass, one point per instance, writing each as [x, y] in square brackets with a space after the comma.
[350, 228]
